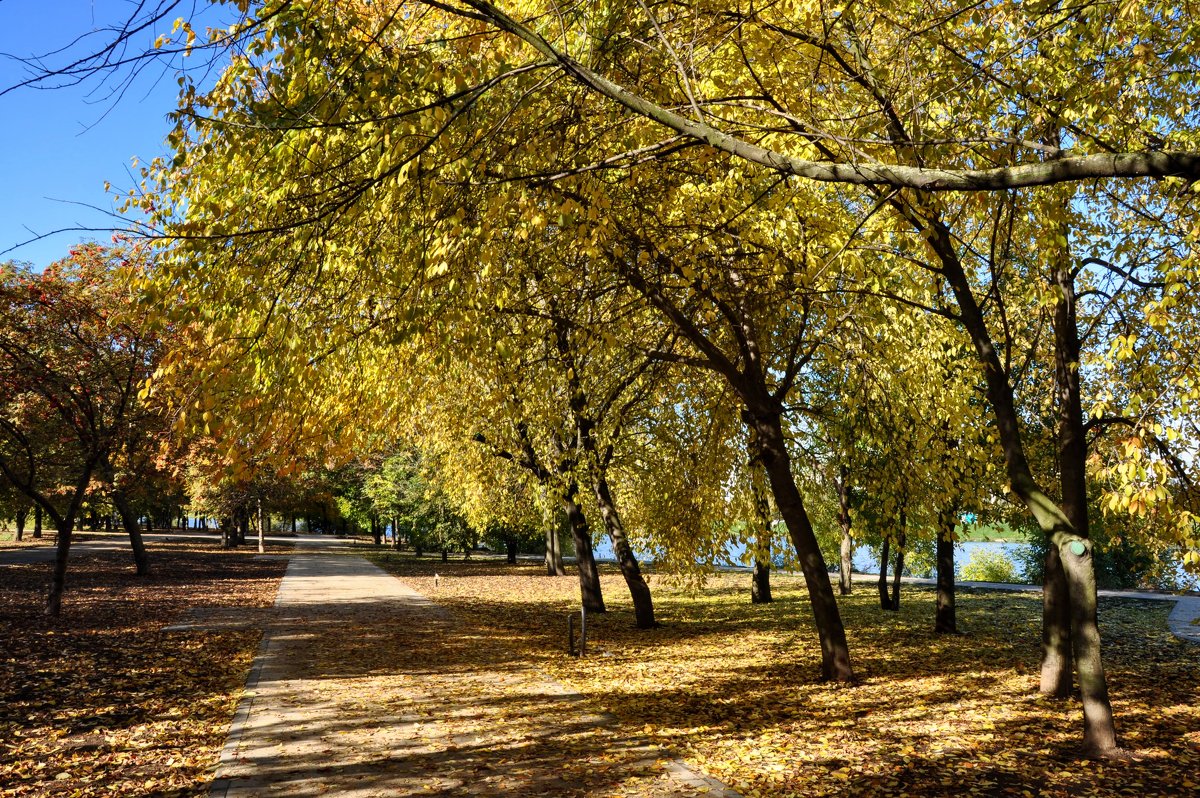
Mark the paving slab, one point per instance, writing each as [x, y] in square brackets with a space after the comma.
[363, 687]
[1185, 619]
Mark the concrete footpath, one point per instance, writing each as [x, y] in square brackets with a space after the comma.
[362, 687]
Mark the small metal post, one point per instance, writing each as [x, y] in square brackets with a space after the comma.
[583, 632]
[581, 651]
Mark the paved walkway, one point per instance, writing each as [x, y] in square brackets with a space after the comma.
[362, 687]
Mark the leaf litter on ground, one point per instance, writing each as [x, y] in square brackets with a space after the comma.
[733, 688]
[102, 700]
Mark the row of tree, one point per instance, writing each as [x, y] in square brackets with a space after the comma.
[678, 271]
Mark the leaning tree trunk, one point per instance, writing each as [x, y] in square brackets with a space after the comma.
[58, 576]
[129, 520]
[885, 552]
[639, 591]
[901, 542]
[945, 621]
[1075, 550]
[589, 577]
[835, 652]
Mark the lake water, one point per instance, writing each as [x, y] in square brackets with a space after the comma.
[865, 560]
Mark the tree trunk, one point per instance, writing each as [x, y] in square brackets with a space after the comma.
[835, 652]
[1057, 660]
[445, 555]
[262, 530]
[901, 542]
[944, 620]
[22, 515]
[639, 591]
[589, 578]
[760, 582]
[129, 520]
[554, 560]
[846, 551]
[37, 522]
[1075, 550]
[510, 548]
[760, 577]
[228, 534]
[293, 524]
[885, 601]
[58, 577]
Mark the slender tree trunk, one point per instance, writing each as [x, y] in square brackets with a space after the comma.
[835, 652]
[294, 523]
[945, 621]
[262, 530]
[846, 550]
[129, 520]
[589, 577]
[510, 548]
[885, 601]
[37, 522]
[22, 515]
[901, 543]
[639, 591]
[554, 560]
[228, 533]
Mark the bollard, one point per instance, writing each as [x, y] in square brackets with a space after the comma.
[581, 651]
[437, 580]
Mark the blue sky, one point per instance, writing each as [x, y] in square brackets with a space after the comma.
[59, 146]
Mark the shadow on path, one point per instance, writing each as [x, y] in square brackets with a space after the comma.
[362, 687]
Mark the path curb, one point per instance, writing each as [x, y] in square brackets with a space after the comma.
[1183, 617]
[241, 716]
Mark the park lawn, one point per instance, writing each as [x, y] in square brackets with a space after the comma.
[102, 701]
[731, 686]
[993, 533]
